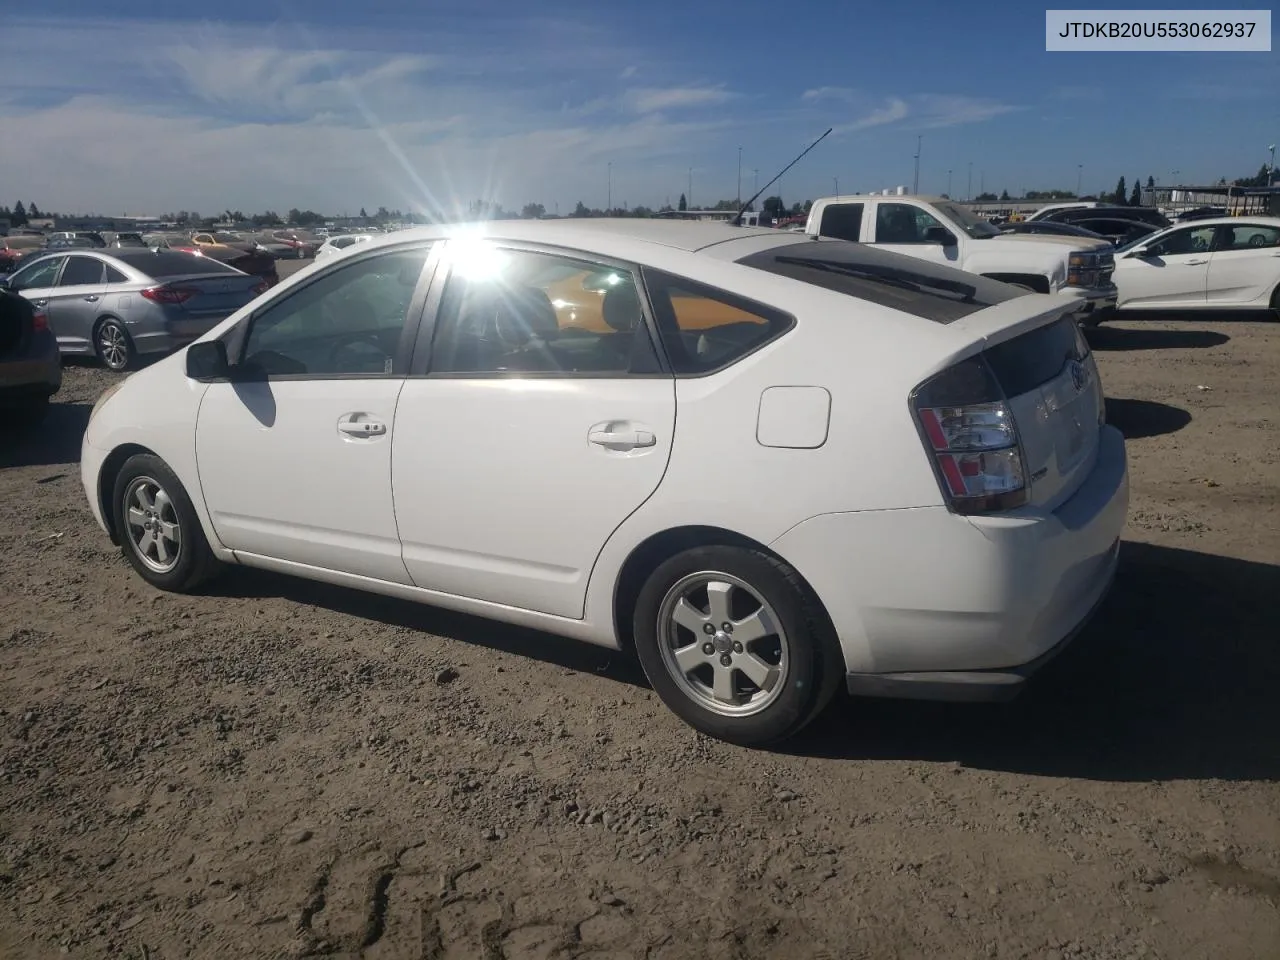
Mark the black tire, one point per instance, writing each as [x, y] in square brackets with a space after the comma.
[193, 563]
[814, 662]
[113, 345]
[1275, 302]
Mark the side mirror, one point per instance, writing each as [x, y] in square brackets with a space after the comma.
[207, 360]
[4, 284]
[1144, 250]
[940, 235]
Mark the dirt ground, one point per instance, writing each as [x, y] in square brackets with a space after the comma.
[282, 769]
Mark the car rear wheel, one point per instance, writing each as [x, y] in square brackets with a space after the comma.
[112, 343]
[1275, 301]
[734, 644]
[158, 529]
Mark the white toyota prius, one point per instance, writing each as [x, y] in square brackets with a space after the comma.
[769, 464]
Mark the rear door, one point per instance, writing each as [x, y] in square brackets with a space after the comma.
[541, 419]
[75, 302]
[1245, 267]
[35, 281]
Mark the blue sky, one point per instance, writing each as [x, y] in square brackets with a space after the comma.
[142, 108]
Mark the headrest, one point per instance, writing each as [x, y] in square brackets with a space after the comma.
[621, 307]
[524, 312]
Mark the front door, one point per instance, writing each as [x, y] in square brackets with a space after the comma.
[295, 453]
[1173, 271]
[36, 281]
[903, 228]
[75, 303]
[542, 422]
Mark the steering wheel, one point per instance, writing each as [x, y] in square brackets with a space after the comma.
[360, 350]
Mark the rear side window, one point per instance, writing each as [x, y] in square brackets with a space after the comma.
[115, 276]
[704, 328]
[927, 290]
[843, 221]
[175, 263]
[80, 270]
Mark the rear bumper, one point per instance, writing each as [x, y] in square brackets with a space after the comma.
[929, 604]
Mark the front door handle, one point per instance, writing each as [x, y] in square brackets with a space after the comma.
[91, 297]
[354, 427]
[40, 303]
[1194, 263]
[621, 436]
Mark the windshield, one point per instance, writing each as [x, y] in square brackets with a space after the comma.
[976, 227]
[227, 237]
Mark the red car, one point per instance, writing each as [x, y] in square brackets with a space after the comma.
[13, 249]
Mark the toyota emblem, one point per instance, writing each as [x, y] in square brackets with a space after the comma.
[1079, 377]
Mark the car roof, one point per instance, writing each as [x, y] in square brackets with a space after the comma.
[600, 234]
[1261, 220]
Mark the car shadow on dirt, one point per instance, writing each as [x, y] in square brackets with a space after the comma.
[242, 582]
[52, 442]
[1145, 418]
[1176, 678]
[1113, 339]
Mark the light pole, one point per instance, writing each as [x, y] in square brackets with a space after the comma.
[836, 180]
[1271, 175]
[968, 194]
[739, 177]
[755, 179]
[948, 184]
[1079, 178]
[609, 201]
[915, 183]
[688, 197]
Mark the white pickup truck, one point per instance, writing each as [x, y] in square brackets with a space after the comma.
[944, 232]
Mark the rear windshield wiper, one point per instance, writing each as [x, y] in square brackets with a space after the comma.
[890, 276]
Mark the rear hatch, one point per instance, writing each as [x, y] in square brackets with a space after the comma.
[1050, 381]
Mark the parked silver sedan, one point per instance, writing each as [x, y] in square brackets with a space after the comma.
[118, 304]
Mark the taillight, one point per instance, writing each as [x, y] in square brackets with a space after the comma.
[970, 433]
[171, 295]
[39, 322]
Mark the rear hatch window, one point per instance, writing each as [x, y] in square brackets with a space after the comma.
[934, 292]
[1050, 378]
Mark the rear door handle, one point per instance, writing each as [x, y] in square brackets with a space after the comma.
[91, 297]
[362, 428]
[1194, 263]
[621, 436]
[40, 303]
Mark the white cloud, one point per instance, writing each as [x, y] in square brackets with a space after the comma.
[628, 73]
[830, 93]
[229, 116]
[651, 100]
[894, 109]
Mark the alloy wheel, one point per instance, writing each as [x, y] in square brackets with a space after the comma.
[113, 346]
[723, 644]
[152, 525]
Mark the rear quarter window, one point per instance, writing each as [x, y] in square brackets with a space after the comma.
[936, 293]
[705, 329]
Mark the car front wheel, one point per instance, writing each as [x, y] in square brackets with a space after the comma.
[158, 529]
[734, 644]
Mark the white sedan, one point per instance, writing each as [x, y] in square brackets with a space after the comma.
[769, 464]
[343, 243]
[1223, 263]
